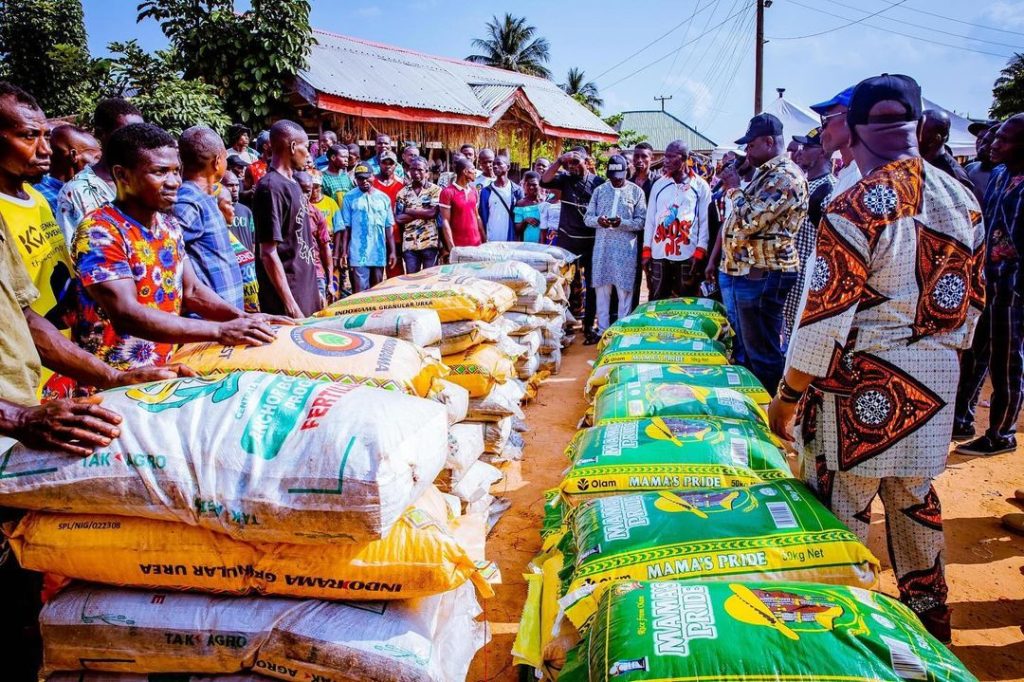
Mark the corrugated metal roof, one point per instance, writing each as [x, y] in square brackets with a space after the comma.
[661, 127]
[381, 74]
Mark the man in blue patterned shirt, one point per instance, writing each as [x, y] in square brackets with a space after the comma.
[73, 149]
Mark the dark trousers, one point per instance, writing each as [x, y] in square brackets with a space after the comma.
[20, 593]
[581, 295]
[759, 299]
[670, 279]
[998, 350]
[419, 260]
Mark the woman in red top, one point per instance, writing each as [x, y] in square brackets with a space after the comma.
[460, 217]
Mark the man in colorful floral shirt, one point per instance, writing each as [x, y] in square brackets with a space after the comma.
[136, 282]
[759, 246]
[416, 211]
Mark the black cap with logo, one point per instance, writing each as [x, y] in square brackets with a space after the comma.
[760, 126]
[811, 139]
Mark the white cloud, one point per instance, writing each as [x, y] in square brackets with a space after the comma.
[1004, 13]
[368, 12]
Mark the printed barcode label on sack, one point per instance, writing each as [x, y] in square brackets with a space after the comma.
[688, 323]
[905, 662]
[734, 378]
[698, 345]
[782, 515]
[635, 408]
[740, 452]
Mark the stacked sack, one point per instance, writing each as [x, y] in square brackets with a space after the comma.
[679, 546]
[540, 306]
[254, 522]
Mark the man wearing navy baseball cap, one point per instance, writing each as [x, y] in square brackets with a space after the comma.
[835, 137]
[892, 301]
[759, 253]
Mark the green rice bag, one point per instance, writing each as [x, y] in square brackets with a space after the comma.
[652, 350]
[670, 325]
[689, 305]
[634, 400]
[737, 378]
[670, 454]
[769, 531]
[756, 631]
[553, 522]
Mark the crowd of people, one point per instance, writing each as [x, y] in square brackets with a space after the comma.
[871, 281]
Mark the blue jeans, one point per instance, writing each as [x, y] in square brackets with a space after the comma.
[419, 260]
[725, 286]
[364, 277]
[759, 305]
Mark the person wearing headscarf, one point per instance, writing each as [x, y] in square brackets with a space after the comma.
[895, 294]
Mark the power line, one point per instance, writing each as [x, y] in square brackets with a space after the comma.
[731, 65]
[959, 21]
[893, 31]
[666, 56]
[689, 23]
[698, 63]
[830, 30]
[929, 28]
[642, 49]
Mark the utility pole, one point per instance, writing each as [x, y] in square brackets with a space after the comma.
[759, 55]
[662, 100]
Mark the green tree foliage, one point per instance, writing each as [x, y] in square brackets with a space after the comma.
[511, 44]
[248, 58]
[583, 91]
[43, 50]
[155, 85]
[1008, 93]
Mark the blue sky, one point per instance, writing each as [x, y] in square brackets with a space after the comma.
[711, 79]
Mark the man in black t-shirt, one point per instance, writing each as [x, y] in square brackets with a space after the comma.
[285, 269]
[576, 186]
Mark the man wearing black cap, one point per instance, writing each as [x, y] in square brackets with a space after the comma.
[759, 245]
[934, 135]
[894, 297]
[818, 167]
[980, 170]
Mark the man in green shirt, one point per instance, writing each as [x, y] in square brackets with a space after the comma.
[337, 181]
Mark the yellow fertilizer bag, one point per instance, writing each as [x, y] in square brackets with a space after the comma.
[421, 327]
[480, 368]
[260, 457]
[457, 337]
[637, 455]
[424, 554]
[737, 378]
[657, 351]
[323, 350]
[453, 297]
[636, 400]
[770, 531]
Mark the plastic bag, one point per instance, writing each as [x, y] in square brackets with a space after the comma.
[503, 401]
[454, 398]
[527, 366]
[257, 456]
[635, 400]
[496, 435]
[425, 553]
[421, 327]
[670, 454]
[457, 337]
[541, 257]
[516, 275]
[524, 322]
[770, 531]
[531, 341]
[480, 369]
[431, 638]
[466, 445]
[757, 631]
[551, 362]
[454, 297]
[475, 482]
[739, 379]
[322, 350]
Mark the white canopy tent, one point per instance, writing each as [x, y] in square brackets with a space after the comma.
[961, 142]
[796, 120]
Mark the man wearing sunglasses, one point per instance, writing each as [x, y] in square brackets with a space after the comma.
[835, 136]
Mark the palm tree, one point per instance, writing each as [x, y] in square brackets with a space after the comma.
[511, 45]
[583, 91]
[1008, 93]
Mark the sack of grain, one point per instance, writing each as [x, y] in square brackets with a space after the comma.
[496, 435]
[704, 307]
[527, 366]
[518, 276]
[475, 482]
[480, 369]
[321, 350]
[457, 337]
[642, 350]
[424, 554]
[657, 325]
[551, 361]
[541, 257]
[757, 631]
[421, 327]
[466, 445]
[634, 400]
[431, 638]
[531, 341]
[454, 398]
[769, 531]
[503, 401]
[670, 454]
[259, 457]
[524, 322]
[453, 297]
[739, 379]
[84, 676]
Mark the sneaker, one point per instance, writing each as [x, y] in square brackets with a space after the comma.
[987, 445]
[591, 338]
[936, 622]
[964, 432]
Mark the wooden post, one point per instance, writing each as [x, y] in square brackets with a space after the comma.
[759, 57]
